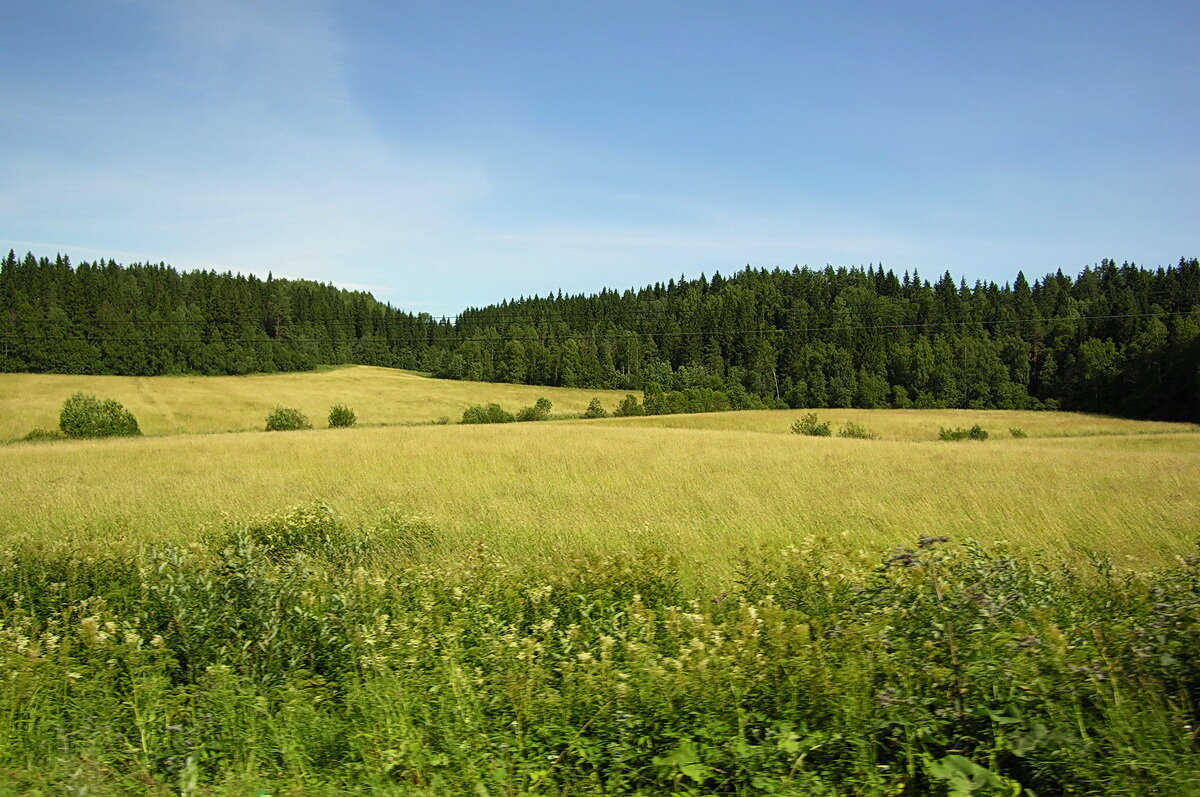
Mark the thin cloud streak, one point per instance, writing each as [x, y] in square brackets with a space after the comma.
[266, 165]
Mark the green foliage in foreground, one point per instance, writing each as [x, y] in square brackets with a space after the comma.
[976, 432]
[84, 415]
[287, 419]
[277, 657]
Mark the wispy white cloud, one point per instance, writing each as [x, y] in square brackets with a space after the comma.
[241, 147]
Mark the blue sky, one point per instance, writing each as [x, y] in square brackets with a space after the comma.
[446, 154]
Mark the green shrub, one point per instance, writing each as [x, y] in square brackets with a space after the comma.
[475, 413]
[856, 430]
[976, 432]
[497, 414]
[540, 411]
[492, 413]
[1017, 432]
[595, 409]
[809, 425]
[40, 435]
[286, 419]
[84, 415]
[341, 417]
[629, 407]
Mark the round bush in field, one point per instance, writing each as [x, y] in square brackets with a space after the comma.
[341, 416]
[286, 419]
[84, 415]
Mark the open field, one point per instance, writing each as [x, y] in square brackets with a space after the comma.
[549, 489]
[202, 404]
[915, 425]
[672, 604]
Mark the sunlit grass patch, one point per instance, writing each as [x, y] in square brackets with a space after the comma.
[203, 404]
[541, 490]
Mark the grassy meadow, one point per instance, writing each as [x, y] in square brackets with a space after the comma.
[918, 425]
[696, 486]
[166, 405]
[688, 605]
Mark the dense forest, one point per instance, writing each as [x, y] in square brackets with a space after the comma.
[1116, 338]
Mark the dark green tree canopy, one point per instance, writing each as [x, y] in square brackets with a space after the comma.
[1117, 338]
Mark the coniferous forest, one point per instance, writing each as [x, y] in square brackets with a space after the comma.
[1118, 339]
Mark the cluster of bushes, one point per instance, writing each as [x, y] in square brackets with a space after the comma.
[494, 413]
[976, 432]
[629, 407]
[656, 403]
[84, 415]
[703, 399]
[280, 657]
[811, 426]
[290, 419]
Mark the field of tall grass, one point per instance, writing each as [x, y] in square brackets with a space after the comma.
[917, 425]
[688, 605]
[202, 404]
[546, 489]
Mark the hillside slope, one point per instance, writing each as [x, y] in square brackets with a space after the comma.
[204, 404]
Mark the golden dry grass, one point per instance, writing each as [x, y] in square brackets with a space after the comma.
[534, 490]
[918, 424]
[202, 404]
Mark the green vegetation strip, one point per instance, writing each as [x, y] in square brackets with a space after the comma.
[288, 656]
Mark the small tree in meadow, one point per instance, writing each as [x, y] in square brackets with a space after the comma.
[595, 409]
[84, 415]
[341, 417]
[287, 419]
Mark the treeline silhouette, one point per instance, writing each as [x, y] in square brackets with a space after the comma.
[1115, 338]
